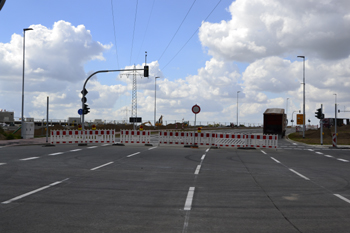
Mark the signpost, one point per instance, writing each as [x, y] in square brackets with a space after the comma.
[195, 109]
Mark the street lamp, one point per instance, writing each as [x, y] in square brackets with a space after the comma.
[303, 57]
[237, 107]
[335, 125]
[24, 44]
[287, 109]
[155, 99]
[292, 115]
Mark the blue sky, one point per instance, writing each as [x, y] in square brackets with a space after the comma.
[246, 46]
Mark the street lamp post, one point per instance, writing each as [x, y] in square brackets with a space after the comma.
[237, 107]
[335, 124]
[303, 57]
[292, 116]
[155, 99]
[287, 110]
[24, 44]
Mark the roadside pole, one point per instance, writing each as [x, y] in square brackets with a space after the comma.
[321, 126]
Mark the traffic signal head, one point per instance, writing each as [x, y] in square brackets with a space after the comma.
[85, 109]
[145, 71]
[319, 114]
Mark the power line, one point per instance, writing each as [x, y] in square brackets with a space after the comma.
[146, 29]
[177, 30]
[191, 36]
[133, 34]
[115, 37]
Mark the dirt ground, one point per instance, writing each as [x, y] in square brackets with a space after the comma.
[314, 136]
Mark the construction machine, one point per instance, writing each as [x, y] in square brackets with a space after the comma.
[160, 121]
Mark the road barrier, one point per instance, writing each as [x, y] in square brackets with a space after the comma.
[165, 138]
[218, 139]
[79, 136]
[135, 136]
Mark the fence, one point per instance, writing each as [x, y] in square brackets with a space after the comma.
[218, 139]
[79, 136]
[135, 136]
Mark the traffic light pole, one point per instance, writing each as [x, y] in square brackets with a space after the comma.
[104, 71]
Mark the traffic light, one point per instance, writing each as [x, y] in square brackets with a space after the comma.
[84, 92]
[145, 71]
[85, 109]
[319, 114]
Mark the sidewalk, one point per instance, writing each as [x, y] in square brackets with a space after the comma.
[23, 142]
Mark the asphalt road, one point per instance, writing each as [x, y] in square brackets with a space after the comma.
[105, 188]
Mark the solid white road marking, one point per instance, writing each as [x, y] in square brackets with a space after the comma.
[207, 150]
[203, 156]
[299, 174]
[31, 158]
[310, 149]
[106, 164]
[2, 164]
[197, 170]
[32, 192]
[152, 148]
[91, 147]
[295, 144]
[341, 197]
[275, 160]
[75, 150]
[58, 153]
[263, 152]
[133, 154]
[343, 160]
[320, 153]
[329, 156]
[189, 199]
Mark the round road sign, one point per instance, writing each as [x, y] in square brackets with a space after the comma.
[196, 109]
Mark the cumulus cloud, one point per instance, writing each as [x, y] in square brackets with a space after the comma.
[55, 59]
[260, 29]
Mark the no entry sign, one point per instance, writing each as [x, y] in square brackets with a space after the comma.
[196, 109]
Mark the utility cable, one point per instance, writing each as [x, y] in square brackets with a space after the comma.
[146, 29]
[133, 34]
[190, 37]
[177, 30]
[115, 37]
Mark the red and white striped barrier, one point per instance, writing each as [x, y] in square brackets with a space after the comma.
[230, 140]
[218, 139]
[79, 136]
[262, 141]
[135, 136]
[186, 138]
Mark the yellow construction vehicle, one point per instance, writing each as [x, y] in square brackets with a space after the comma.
[148, 122]
[160, 121]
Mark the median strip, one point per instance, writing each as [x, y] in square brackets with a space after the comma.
[34, 191]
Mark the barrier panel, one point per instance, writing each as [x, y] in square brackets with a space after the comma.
[135, 136]
[230, 140]
[218, 139]
[78, 136]
[262, 141]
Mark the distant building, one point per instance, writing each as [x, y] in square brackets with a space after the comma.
[74, 120]
[6, 117]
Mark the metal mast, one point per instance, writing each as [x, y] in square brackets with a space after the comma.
[134, 95]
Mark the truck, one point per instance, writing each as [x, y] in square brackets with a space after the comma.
[275, 122]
